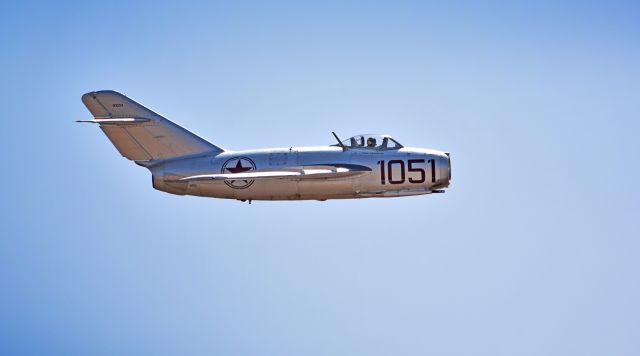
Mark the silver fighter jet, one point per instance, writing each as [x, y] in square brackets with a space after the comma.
[363, 166]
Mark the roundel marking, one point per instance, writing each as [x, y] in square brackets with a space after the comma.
[238, 165]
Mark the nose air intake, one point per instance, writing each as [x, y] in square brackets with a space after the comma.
[448, 164]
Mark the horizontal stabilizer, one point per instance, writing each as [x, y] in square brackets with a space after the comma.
[119, 121]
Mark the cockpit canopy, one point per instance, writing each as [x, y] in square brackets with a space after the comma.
[373, 142]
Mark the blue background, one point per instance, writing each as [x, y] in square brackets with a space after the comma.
[533, 251]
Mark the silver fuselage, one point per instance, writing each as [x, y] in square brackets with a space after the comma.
[400, 172]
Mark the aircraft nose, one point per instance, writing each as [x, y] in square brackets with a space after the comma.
[448, 165]
[444, 169]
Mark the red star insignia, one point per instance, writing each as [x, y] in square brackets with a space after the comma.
[238, 168]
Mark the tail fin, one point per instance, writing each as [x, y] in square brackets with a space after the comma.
[138, 133]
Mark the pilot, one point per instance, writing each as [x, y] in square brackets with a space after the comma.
[371, 142]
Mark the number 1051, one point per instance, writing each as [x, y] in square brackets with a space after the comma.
[416, 174]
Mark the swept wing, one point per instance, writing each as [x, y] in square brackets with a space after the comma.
[307, 172]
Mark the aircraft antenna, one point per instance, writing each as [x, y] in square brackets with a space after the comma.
[339, 142]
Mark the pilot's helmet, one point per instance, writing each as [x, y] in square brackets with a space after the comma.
[371, 142]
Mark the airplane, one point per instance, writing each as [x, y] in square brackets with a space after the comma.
[182, 163]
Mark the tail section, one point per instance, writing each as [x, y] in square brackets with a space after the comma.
[138, 133]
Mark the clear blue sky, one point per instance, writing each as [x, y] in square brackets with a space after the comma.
[534, 250]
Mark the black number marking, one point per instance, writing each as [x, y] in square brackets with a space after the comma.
[412, 169]
[433, 170]
[388, 172]
[390, 169]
